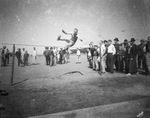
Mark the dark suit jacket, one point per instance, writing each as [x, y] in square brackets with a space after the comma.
[148, 47]
[133, 51]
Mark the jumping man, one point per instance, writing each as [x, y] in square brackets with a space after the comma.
[71, 42]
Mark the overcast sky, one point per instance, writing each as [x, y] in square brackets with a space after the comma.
[40, 22]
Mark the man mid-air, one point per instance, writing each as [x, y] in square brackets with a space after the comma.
[71, 42]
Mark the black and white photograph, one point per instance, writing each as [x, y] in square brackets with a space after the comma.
[74, 58]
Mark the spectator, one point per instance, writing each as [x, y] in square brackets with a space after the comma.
[67, 55]
[116, 56]
[18, 55]
[91, 45]
[95, 58]
[61, 55]
[22, 54]
[34, 56]
[51, 54]
[144, 58]
[7, 56]
[0, 56]
[4, 56]
[125, 46]
[133, 54]
[147, 69]
[78, 56]
[47, 56]
[127, 57]
[120, 59]
[89, 57]
[110, 56]
[106, 45]
[58, 55]
[102, 56]
[92, 49]
[140, 53]
[55, 54]
[26, 56]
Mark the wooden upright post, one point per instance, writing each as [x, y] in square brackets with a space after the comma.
[13, 63]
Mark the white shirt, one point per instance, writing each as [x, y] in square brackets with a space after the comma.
[22, 53]
[78, 52]
[111, 49]
[34, 53]
[103, 49]
[54, 50]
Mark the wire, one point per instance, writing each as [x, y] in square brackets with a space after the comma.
[31, 45]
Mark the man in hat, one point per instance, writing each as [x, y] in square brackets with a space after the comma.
[116, 56]
[132, 58]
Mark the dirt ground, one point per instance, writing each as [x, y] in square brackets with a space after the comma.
[40, 89]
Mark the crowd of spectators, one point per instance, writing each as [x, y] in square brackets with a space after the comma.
[126, 57]
[4, 56]
[54, 56]
[22, 57]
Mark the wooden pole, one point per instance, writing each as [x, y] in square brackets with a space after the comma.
[100, 68]
[13, 63]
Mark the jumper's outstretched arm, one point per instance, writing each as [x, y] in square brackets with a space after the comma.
[66, 33]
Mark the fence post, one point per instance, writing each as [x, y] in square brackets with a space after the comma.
[13, 63]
